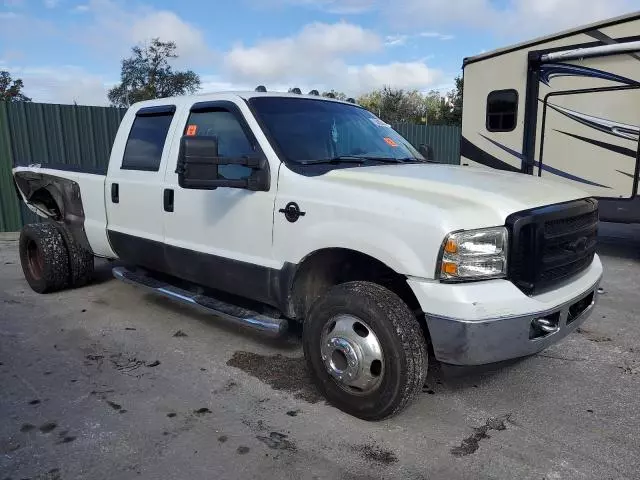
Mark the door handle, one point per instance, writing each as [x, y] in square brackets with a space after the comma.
[168, 200]
[115, 193]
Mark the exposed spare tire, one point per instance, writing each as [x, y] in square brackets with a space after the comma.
[80, 260]
[44, 257]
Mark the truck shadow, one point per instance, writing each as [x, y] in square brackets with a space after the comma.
[288, 342]
[619, 240]
[444, 376]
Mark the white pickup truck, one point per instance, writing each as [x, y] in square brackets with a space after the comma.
[269, 208]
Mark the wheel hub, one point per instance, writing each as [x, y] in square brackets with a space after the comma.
[352, 354]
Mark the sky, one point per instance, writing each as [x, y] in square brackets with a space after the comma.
[70, 50]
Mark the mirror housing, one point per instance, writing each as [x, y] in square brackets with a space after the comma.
[427, 152]
[198, 163]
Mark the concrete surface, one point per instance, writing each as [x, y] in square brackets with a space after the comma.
[82, 395]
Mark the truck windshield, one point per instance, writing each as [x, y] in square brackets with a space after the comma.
[307, 131]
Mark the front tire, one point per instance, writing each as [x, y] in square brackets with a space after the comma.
[44, 257]
[365, 349]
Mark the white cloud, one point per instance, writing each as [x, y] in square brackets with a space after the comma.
[51, 3]
[396, 40]
[436, 35]
[408, 75]
[515, 18]
[125, 26]
[80, 8]
[8, 15]
[318, 57]
[317, 47]
[338, 7]
[61, 84]
[13, 3]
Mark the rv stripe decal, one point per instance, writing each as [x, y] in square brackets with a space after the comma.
[473, 152]
[569, 176]
[551, 70]
[607, 40]
[547, 168]
[608, 146]
[625, 173]
[622, 130]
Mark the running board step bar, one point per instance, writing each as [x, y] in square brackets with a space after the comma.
[273, 327]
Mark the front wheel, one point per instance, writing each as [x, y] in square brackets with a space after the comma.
[365, 350]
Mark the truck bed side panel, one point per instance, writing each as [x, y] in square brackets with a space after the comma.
[78, 196]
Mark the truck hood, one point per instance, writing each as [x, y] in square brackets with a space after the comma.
[453, 188]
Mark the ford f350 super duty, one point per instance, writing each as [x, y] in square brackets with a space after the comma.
[268, 208]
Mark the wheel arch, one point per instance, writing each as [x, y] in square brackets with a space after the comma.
[322, 269]
[56, 198]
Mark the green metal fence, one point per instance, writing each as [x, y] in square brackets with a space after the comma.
[55, 134]
[444, 139]
[82, 136]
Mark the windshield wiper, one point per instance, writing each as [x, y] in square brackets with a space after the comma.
[358, 159]
[334, 160]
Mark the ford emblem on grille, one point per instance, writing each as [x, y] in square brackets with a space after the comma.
[578, 245]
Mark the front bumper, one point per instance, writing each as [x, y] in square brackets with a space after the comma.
[497, 321]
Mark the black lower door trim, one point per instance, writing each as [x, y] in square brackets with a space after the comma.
[253, 282]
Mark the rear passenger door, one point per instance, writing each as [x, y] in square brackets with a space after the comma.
[133, 191]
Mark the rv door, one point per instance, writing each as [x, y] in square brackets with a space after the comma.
[590, 118]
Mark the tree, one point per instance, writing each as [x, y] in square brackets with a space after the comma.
[147, 75]
[11, 90]
[396, 105]
[451, 112]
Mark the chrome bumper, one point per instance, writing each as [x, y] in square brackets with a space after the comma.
[463, 342]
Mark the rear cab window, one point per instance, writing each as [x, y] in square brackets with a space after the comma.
[147, 138]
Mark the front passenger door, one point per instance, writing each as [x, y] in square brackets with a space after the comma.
[221, 238]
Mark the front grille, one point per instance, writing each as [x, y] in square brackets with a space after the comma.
[549, 244]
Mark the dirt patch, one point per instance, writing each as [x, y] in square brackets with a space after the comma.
[471, 444]
[593, 336]
[375, 453]
[280, 372]
[48, 427]
[242, 450]
[27, 427]
[277, 441]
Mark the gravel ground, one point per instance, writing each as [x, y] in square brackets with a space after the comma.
[108, 381]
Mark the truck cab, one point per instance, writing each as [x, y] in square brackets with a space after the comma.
[270, 208]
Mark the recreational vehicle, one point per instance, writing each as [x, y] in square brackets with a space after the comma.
[565, 107]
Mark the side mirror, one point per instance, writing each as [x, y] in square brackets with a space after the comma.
[199, 162]
[427, 152]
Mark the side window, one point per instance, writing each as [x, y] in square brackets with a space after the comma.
[232, 140]
[502, 110]
[146, 141]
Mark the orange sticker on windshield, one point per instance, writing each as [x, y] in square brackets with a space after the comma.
[390, 142]
[192, 130]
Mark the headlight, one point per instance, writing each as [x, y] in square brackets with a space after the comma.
[474, 255]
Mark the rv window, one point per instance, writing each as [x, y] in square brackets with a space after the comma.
[502, 110]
